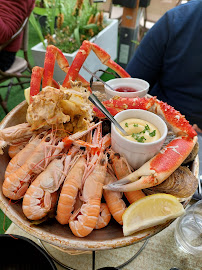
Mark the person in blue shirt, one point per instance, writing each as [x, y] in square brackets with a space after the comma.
[169, 57]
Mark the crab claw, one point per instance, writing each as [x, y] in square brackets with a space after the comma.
[115, 186]
[157, 169]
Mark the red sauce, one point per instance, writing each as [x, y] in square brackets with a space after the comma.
[125, 89]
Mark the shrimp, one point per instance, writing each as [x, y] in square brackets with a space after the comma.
[40, 196]
[14, 149]
[121, 169]
[70, 188]
[84, 220]
[104, 217]
[17, 183]
[114, 200]
[15, 134]
[19, 159]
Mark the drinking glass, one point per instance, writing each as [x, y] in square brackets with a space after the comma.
[188, 230]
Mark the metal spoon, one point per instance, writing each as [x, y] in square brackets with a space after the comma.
[102, 108]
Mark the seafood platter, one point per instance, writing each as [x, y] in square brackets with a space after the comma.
[58, 170]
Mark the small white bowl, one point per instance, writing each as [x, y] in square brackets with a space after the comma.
[137, 153]
[141, 86]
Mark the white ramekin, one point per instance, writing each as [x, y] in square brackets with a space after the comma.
[137, 153]
[141, 86]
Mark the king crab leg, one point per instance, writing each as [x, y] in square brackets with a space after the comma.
[161, 166]
[38, 73]
[81, 56]
[54, 54]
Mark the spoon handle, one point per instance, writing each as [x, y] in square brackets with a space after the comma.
[102, 108]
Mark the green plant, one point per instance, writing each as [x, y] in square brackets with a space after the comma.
[75, 20]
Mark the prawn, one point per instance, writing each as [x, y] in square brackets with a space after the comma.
[17, 183]
[16, 134]
[39, 199]
[69, 191]
[84, 220]
[19, 159]
[14, 149]
[122, 169]
[114, 200]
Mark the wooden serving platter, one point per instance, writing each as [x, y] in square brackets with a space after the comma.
[60, 235]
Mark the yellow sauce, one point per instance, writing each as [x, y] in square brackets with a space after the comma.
[139, 130]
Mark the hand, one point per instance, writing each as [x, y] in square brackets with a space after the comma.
[197, 129]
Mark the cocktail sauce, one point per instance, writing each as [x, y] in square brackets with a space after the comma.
[125, 89]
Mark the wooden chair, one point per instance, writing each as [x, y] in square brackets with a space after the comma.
[152, 13]
[112, 11]
[158, 8]
[20, 65]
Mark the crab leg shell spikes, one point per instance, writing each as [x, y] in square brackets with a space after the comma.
[81, 56]
[37, 75]
[77, 63]
[157, 169]
[53, 54]
[105, 59]
[174, 119]
[118, 104]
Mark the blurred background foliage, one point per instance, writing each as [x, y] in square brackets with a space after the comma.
[66, 24]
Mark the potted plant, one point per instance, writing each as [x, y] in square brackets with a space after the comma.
[76, 21]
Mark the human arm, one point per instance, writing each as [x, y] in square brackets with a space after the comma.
[12, 15]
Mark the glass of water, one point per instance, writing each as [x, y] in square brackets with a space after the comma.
[188, 230]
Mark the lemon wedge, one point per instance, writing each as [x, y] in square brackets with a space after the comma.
[150, 211]
[27, 94]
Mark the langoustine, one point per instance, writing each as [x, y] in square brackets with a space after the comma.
[19, 159]
[16, 184]
[84, 219]
[41, 195]
[114, 199]
[69, 191]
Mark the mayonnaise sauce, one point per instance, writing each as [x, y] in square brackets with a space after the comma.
[139, 130]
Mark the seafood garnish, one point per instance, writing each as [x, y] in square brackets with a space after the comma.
[54, 106]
